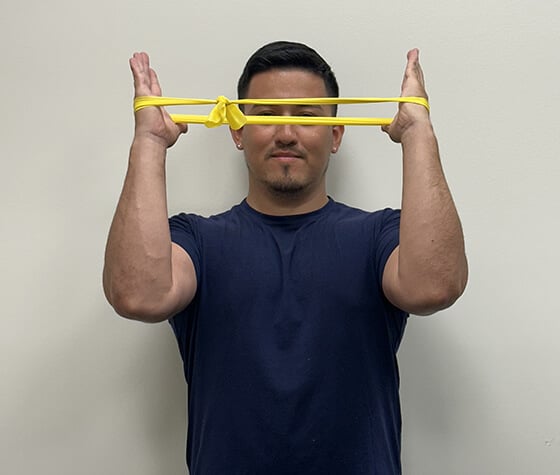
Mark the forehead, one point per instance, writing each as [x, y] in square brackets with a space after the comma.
[285, 84]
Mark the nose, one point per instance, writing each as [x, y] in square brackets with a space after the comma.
[286, 135]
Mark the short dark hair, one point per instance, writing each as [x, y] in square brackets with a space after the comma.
[287, 55]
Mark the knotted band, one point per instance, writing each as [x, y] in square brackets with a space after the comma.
[226, 112]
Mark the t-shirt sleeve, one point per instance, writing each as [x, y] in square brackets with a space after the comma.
[387, 239]
[184, 233]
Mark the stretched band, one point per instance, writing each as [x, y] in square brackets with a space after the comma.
[226, 112]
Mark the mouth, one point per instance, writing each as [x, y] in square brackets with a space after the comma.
[285, 155]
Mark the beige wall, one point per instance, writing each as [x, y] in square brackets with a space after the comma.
[83, 391]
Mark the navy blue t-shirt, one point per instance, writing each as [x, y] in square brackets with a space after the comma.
[289, 345]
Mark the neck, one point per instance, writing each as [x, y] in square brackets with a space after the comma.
[286, 204]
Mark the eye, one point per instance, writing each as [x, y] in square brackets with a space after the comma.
[267, 112]
[308, 111]
[308, 114]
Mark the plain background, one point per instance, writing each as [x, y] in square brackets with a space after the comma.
[86, 392]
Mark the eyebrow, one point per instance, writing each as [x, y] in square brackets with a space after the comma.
[299, 106]
[293, 109]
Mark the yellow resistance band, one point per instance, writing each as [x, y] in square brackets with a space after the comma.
[226, 112]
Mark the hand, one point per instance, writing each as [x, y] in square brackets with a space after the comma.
[410, 115]
[153, 123]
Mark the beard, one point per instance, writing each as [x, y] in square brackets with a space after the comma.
[286, 185]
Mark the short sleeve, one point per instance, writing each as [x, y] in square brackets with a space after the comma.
[183, 231]
[387, 239]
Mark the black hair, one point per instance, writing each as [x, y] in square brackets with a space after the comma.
[287, 55]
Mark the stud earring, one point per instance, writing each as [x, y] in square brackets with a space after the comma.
[239, 146]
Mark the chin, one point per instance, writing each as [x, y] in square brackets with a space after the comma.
[286, 186]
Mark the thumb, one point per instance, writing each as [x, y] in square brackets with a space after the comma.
[183, 128]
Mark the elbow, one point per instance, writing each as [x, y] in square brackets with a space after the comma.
[132, 309]
[436, 301]
[428, 292]
[131, 305]
[441, 296]
[135, 309]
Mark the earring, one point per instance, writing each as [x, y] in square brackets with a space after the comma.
[239, 146]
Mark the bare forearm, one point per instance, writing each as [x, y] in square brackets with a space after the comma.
[432, 260]
[138, 254]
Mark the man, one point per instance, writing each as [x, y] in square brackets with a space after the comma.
[289, 308]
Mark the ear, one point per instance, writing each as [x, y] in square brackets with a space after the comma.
[237, 136]
[337, 133]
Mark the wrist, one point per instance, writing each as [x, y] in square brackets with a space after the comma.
[418, 131]
[146, 148]
[147, 141]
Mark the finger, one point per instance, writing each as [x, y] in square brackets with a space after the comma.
[412, 63]
[134, 64]
[154, 83]
[140, 62]
[421, 74]
[409, 70]
[140, 65]
[413, 55]
[417, 68]
[135, 68]
[146, 82]
[413, 82]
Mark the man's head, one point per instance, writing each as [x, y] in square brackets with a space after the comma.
[287, 161]
[287, 55]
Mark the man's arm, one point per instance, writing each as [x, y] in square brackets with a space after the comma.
[147, 277]
[428, 271]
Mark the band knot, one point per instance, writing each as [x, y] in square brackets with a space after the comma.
[225, 112]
